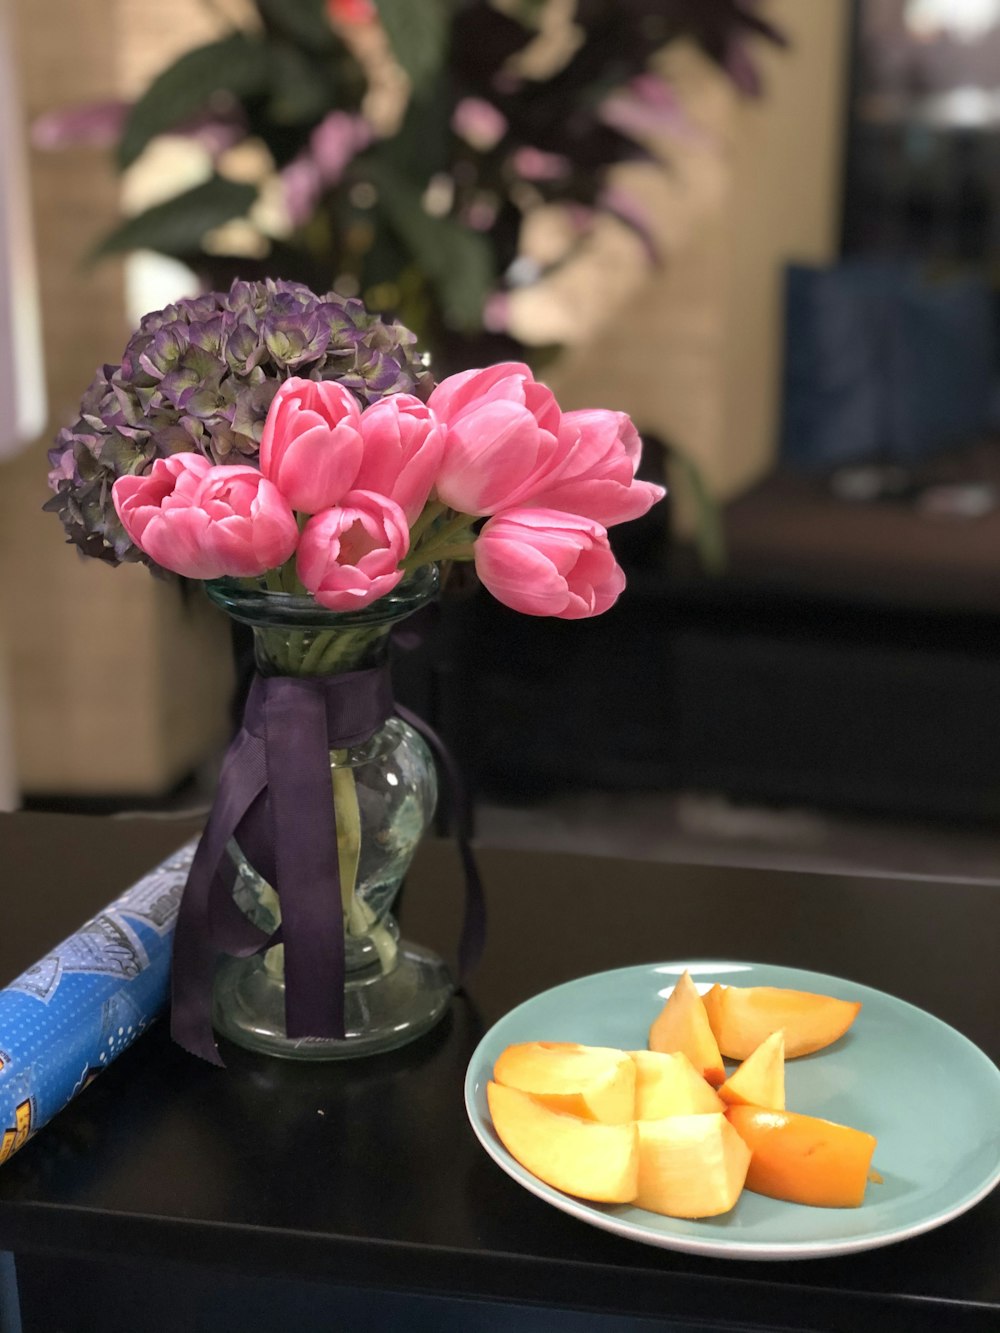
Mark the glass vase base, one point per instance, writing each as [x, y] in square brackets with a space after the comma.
[381, 1012]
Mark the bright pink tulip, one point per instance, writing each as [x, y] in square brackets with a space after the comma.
[311, 446]
[546, 563]
[155, 510]
[508, 379]
[202, 521]
[403, 446]
[594, 474]
[501, 437]
[349, 555]
[251, 527]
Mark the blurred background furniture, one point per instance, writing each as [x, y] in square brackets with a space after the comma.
[848, 655]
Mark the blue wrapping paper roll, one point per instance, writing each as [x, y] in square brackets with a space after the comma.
[75, 1010]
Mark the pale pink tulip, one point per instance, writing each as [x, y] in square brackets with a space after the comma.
[349, 555]
[501, 437]
[594, 473]
[311, 446]
[403, 443]
[202, 521]
[546, 563]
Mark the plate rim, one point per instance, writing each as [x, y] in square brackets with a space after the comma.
[713, 1247]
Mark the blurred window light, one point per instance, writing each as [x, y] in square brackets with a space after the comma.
[965, 20]
[22, 380]
[154, 281]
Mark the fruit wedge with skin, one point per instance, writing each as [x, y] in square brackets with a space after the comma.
[670, 1085]
[690, 1165]
[595, 1082]
[742, 1016]
[682, 1025]
[760, 1079]
[803, 1159]
[580, 1157]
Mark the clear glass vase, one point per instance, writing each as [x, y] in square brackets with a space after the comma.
[384, 793]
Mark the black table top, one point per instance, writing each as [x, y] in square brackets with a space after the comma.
[367, 1172]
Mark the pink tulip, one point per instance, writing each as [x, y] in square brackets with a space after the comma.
[349, 555]
[508, 379]
[311, 446]
[594, 475]
[403, 443]
[501, 437]
[202, 521]
[251, 527]
[546, 563]
[156, 512]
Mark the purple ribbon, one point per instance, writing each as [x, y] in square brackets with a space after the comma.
[274, 797]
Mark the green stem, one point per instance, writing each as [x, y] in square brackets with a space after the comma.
[333, 650]
[431, 512]
[455, 533]
[345, 802]
[460, 551]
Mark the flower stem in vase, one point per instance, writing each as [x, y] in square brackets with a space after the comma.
[359, 920]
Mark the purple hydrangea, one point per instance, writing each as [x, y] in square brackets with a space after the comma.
[200, 375]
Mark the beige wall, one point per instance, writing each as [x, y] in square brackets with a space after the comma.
[785, 205]
[115, 685]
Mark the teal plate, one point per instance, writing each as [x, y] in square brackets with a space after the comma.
[930, 1097]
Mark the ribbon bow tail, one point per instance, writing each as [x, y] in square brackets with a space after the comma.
[208, 922]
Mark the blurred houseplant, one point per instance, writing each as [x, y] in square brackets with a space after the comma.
[398, 150]
[394, 150]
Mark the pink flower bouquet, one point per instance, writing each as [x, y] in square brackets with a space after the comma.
[347, 500]
[291, 451]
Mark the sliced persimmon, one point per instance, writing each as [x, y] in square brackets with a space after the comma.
[760, 1079]
[669, 1084]
[690, 1165]
[682, 1025]
[595, 1082]
[741, 1017]
[803, 1159]
[580, 1157]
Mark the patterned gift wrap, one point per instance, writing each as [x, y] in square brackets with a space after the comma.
[75, 1010]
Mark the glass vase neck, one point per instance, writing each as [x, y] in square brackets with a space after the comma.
[295, 636]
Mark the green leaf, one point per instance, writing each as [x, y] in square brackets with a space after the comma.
[418, 32]
[177, 226]
[458, 262]
[301, 21]
[422, 146]
[301, 90]
[236, 64]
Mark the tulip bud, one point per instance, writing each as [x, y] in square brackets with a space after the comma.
[311, 447]
[349, 555]
[546, 563]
